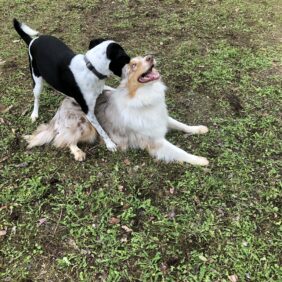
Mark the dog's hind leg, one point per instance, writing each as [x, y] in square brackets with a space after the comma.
[79, 155]
[38, 84]
[44, 134]
[37, 87]
[174, 124]
[164, 150]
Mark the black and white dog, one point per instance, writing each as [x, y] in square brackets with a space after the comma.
[79, 76]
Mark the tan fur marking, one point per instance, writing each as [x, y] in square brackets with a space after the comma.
[137, 67]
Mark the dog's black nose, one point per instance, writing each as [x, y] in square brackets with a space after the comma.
[150, 58]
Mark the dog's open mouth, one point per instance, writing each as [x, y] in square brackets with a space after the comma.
[150, 75]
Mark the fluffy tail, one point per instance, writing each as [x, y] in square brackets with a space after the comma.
[25, 32]
[44, 134]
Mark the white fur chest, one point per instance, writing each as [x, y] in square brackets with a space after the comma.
[146, 113]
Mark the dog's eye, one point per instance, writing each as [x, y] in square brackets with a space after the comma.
[133, 66]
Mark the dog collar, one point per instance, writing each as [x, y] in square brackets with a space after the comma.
[92, 69]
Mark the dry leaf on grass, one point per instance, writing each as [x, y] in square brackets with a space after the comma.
[126, 162]
[171, 190]
[25, 164]
[4, 159]
[3, 232]
[4, 109]
[126, 229]
[114, 220]
[120, 188]
[123, 239]
[233, 278]
[41, 221]
[171, 214]
[25, 111]
[203, 258]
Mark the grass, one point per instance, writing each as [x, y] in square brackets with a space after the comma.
[123, 216]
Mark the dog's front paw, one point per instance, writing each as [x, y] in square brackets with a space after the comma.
[199, 129]
[34, 117]
[111, 146]
[199, 161]
[202, 129]
[79, 156]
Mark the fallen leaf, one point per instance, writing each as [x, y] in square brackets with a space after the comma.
[126, 162]
[136, 168]
[114, 220]
[73, 244]
[25, 111]
[164, 267]
[196, 200]
[4, 159]
[42, 221]
[123, 239]
[3, 232]
[171, 190]
[171, 214]
[4, 110]
[233, 278]
[21, 165]
[126, 229]
[202, 258]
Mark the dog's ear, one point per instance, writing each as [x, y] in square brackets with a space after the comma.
[95, 42]
[118, 58]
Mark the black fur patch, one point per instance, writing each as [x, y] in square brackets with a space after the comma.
[118, 58]
[95, 42]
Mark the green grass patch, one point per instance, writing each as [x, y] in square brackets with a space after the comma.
[123, 216]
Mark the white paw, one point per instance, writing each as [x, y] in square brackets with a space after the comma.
[27, 137]
[33, 117]
[111, 146]
[200, 161]
[202, 129]
[80, 156]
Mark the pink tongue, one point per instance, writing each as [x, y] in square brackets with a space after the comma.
[150, 76]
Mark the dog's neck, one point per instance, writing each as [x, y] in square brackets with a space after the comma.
[98, 58]
[151, 94]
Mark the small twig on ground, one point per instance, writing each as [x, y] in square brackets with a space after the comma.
[60, 217]
[4, 110]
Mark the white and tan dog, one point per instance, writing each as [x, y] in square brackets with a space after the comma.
[134, 115]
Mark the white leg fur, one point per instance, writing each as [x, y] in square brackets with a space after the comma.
[36, 91]
[93, 120]
[174, 124]
[79, 155]
[168, 152]
[109, 88]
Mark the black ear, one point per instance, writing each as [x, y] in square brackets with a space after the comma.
[95, 42]
[118, 58]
